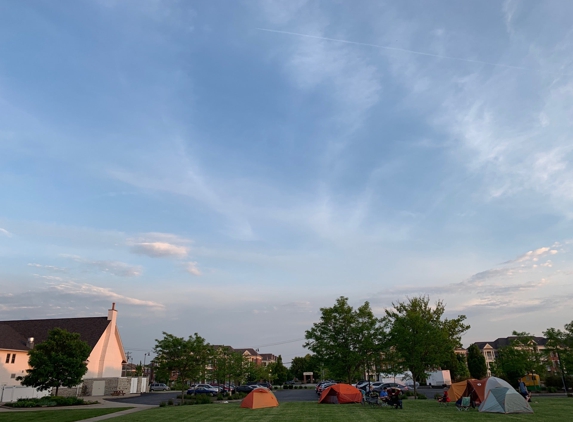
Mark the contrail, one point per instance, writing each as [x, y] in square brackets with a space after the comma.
[420, 53]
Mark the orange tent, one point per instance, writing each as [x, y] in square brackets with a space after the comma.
[259, 398]
[341, 394]
[469, 388]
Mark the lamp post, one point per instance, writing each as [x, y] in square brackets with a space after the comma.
[144, 359]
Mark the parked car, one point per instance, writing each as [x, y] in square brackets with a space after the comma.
[158, 386]
[323, 387]
[245, 388]
[403, 388]
[266, 385]
[203, 389]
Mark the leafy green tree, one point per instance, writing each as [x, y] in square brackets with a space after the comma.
[60, 360]
[560, 343]
[476, 362]
[461, 373]
[186, 358]
[139, 370]
[420, 334]
[519, 358]
[345, 339]
[308, 363]
[279, 370]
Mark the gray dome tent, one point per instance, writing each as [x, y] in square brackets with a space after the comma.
[504, 400]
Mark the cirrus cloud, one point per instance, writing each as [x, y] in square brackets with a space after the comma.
[159, 249]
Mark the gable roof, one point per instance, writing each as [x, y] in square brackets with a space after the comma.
[14, 334]
[506, 341]
[251, 352]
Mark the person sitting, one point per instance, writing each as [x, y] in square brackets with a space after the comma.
[395, 400]
[523, 391]
[445, 398]
[384, 395]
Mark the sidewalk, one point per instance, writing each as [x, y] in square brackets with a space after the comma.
[103, 404]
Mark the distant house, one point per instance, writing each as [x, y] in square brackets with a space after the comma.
[101, 334]
[267, 359]
[251, 355]
[489, 350]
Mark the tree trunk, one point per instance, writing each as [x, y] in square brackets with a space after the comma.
[57, 389]
[415, 389]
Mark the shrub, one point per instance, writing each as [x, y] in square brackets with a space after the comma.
[219, 397]
[170, 402]
[551, 390]
[162, 404]
[49, 402]
[437, 396]
[422, 396]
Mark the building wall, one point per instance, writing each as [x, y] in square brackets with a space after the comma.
[16, 369]
[108, 364]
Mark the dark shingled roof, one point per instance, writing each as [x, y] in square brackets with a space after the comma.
[506, 341]
[14, 334]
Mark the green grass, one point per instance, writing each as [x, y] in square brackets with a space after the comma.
[546, 409]
[65, 415]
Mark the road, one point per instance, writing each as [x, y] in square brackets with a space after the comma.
[283, 396]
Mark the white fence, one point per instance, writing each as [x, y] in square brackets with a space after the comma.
[13, 393]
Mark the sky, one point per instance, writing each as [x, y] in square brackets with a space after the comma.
[229, 168]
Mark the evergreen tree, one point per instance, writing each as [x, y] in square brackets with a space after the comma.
[476, 362]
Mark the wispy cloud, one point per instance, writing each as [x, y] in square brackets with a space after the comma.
[159, 249]
[191, 268]
[160, 245]
[88, 290]
[534, 255]
[120, 269]
[49, 267]
[5, 232]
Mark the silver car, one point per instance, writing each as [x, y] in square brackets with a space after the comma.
[158, 386]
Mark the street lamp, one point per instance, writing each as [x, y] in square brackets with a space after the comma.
[144, 359]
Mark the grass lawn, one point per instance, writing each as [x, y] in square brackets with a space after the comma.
[546, 409]
[64, 415]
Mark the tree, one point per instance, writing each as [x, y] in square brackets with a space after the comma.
[560, 343]
[519, 358]
[345, 339]
[421, 336]
[308, 363]
[476, 362]
[60, 361]
[279, 370]
[187, 359]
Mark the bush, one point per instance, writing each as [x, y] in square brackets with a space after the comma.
[162, 404]
[551, 390]
[170, 402]
[219, 396]
[422, 396]
[437, 396]
[49, 402]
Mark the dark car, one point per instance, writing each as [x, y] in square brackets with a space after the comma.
[266, 385]
[245, 388]
[203, 389]
[389, 385]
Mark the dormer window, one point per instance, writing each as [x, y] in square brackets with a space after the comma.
[8, 358]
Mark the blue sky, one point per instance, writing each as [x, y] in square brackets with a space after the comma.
[228, 168]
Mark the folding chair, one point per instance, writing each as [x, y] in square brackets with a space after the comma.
[465, 405]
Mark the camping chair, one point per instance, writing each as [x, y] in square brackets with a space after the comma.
[465, 404]
[371, 399]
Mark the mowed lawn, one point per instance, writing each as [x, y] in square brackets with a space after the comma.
[546, 409]
[65, 415]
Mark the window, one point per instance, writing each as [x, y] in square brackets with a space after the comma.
[8, 358]
[13, 376]
[13, 357]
